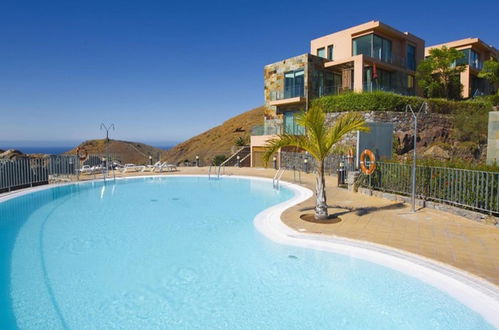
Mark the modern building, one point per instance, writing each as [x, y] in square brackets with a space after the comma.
[367, 57]
[475, 53]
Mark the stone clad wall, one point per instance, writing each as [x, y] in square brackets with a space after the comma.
[274, 75]
[432, 127]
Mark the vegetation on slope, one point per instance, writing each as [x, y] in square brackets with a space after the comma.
[125, 151]
[383, 101]
[216, 141]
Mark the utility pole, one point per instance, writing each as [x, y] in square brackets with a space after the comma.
[424, 108]
[106, 159]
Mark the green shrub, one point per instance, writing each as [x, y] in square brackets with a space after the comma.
[471, 127]
[218, 160]
[241, 141]
[384, 101]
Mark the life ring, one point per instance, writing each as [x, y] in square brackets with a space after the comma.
[79, 152]
[372, 162]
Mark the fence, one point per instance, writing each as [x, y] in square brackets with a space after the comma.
[306, 163]
[29, 172]
[22, 173]
[476, 190]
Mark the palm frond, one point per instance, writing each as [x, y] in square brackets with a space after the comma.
[345, 124]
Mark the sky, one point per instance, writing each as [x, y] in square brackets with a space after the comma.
[163, 71]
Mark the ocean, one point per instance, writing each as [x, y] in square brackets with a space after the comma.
[52, 150]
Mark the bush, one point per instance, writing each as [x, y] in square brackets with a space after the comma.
[473, 127]
[241, 141]
[384, 101]
[219, 159]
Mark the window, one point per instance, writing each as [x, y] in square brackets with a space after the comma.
[294, 83]
[330, 52]
[321, 52]
[362, 45]
[475, 60]
[411, 57]
[410, 81]
[374, 46]
[290, 124]
[379, 81]
[471, 58]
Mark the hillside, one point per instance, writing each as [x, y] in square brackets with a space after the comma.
[216, 141]
[125, 151]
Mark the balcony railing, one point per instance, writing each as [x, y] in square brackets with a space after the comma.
[330, 90]
[287, 93]
[293, 129]
[373, 87]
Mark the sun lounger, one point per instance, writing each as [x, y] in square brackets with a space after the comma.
[152, 168]
[132, 168]
[168, 167]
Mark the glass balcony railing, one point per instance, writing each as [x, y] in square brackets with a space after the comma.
[276, 127]
[373, 87]
[329, 90]
[287, 93]
[263, 130]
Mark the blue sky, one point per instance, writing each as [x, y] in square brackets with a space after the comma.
[164, 71]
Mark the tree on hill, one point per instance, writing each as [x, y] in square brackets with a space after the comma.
[490, 72]
[438, 74]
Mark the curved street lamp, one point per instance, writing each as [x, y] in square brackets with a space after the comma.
[424, 108]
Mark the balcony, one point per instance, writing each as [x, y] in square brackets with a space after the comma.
[373, 87]
[288, 95]
[276, 127]
[330, 90]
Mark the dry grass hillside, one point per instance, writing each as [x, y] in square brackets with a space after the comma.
[218, 140]
[125, 151]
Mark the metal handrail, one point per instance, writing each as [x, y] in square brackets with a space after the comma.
[244, 158]
[276, 181]
[227, 160]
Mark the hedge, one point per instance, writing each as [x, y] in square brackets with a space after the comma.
[384, 101]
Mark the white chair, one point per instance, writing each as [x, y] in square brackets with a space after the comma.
[132, 167]
[152, 168]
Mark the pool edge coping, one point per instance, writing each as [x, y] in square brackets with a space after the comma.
[476, 293]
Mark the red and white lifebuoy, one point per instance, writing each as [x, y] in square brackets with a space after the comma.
[82, 154]
[372, 162]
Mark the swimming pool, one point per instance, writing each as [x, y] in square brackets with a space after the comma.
[183, 252]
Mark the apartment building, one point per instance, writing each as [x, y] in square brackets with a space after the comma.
[367, 57]
[475, 53]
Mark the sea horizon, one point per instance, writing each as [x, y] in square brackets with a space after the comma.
[56, 150]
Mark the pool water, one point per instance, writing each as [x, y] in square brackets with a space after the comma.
[183, 253]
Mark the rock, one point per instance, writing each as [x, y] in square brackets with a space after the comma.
[437, 152]
[11, 154]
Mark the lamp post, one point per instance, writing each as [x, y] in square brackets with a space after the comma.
[424, 108]
[107, 129]
[150, 160]
[104, 160]
[305, 161]
[275, 162]
[197, 160]
[238, 161]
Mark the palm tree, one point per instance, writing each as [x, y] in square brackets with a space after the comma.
[319, 140]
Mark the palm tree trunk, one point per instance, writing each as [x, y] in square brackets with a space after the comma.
[320, 201]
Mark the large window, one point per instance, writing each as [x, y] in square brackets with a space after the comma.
[411, 57]
[321, 52]
[330, 52]
[381, 80]
[290, 124]
[470, 58]
[374, 46]
[294, 83]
